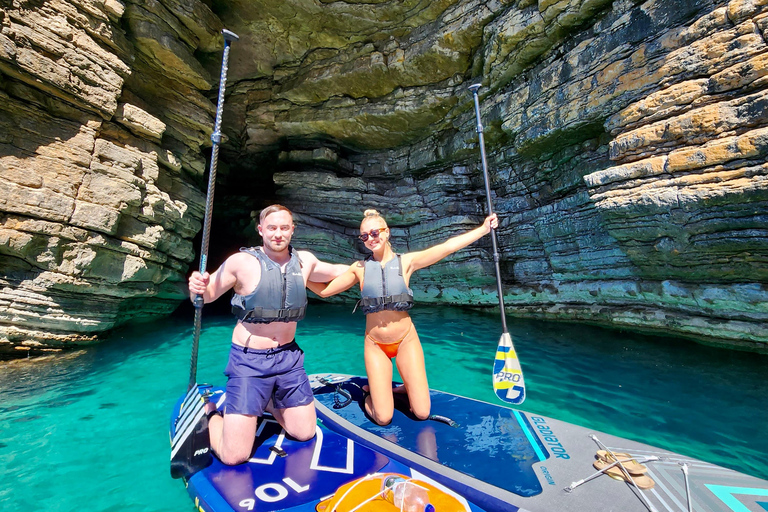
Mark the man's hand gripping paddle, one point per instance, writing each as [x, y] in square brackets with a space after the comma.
[190, 446]
[508, 380]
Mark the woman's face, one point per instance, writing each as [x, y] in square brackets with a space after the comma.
[374, 233]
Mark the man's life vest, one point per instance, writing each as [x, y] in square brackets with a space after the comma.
[384, 287]
[279, 297]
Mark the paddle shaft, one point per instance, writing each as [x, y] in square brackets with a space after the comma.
[486, 180]
[216, 140]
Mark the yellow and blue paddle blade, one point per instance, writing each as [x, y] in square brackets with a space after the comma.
[508, 380]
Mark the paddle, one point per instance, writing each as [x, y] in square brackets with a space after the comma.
[190, 446]
[507, 374]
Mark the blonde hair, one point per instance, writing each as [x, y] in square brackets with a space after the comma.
[372, 214]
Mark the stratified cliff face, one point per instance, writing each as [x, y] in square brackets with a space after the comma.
[627, 147]
[103, 114]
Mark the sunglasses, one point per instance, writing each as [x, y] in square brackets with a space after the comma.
[374, 233]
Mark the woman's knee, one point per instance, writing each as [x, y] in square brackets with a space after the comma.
[382, 419]
[421, 408]
[382, 415]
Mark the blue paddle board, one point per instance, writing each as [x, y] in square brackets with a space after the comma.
[285, 474]
[504, 459]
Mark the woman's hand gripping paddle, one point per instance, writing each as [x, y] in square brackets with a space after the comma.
[508, 380]
[190, 446]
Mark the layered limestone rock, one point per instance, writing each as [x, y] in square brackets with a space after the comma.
[626, 143]
[626, 151]
[101, 137]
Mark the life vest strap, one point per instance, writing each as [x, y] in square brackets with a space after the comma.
[265, 316]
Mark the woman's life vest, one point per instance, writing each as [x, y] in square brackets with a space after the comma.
[384, 287]
[279, 296]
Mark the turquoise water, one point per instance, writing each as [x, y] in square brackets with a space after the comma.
[88, 430]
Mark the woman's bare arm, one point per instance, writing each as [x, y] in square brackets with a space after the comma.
[342, 283]
[425, 258]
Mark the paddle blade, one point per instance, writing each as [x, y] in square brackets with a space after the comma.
[190, 445]
[508, 380]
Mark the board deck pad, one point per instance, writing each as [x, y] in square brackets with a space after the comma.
[502, 437]
[285, 474]
[503, 458]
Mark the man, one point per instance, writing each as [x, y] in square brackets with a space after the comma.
[266, 366]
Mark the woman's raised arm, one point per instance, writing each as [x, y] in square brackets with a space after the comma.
[427, 257]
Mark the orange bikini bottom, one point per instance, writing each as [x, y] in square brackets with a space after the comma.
[390, 348]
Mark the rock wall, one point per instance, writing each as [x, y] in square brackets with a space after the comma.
[626, 143]
[626, 148]
[103, 117]
[664, 226]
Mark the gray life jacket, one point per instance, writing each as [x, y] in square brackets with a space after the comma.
[384, 287]
[279, 297]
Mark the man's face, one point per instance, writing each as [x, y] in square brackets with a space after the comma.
[277, 230]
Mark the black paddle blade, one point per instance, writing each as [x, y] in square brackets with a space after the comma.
[191, 445]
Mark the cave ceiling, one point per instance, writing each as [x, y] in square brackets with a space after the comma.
[341, 78]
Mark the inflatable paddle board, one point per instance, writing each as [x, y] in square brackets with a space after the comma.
[285, 474]
[505, 459]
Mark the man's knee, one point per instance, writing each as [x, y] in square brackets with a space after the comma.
[302, 432]
[233, 457]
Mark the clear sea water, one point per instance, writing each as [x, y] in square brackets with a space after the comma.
[88, 430]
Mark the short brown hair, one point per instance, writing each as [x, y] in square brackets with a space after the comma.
[272, 209]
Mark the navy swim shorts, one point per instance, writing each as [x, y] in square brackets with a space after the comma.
[256, 376]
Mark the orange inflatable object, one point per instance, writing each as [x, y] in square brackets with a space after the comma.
[352, 494]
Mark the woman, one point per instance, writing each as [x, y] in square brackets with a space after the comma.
[386, 299]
